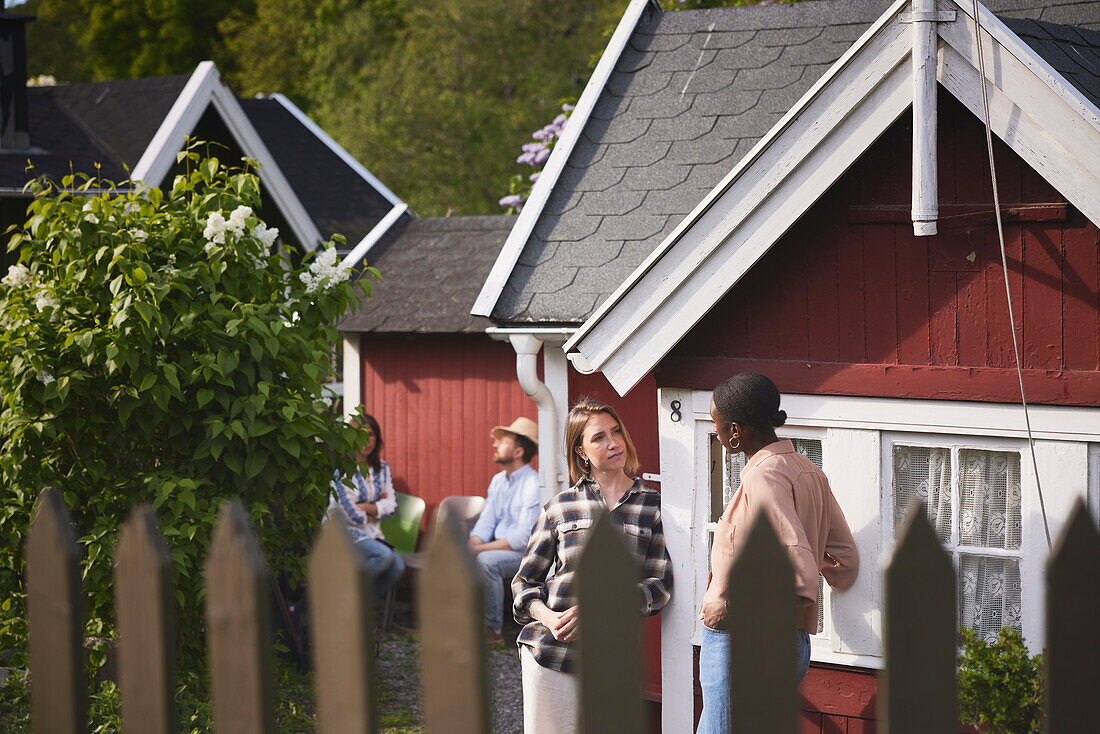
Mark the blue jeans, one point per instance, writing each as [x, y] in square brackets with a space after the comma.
[384, 564]
[714, 678]
[497, 567]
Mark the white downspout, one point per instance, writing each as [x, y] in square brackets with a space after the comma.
[925, 189]
[527, 350]
[551, 397]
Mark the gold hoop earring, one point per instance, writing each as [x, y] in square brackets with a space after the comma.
[735, 446]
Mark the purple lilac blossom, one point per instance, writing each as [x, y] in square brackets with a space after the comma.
[513, 200]
[534, 176]
[541, 157]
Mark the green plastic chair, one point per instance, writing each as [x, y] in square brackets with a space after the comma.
[401, 530]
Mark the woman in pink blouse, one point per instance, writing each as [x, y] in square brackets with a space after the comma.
[795, 496]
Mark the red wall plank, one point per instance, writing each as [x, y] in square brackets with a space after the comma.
[1042, 298]
[881, 324]
[913, 309]
[1081, 293]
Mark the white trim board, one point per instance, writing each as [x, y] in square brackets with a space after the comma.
[203, 89]
[1033, 109]
[540, 192]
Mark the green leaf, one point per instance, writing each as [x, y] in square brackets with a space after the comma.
[203, 396]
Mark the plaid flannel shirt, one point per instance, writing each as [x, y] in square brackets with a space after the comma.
[553, 551]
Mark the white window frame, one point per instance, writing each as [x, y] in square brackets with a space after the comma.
[1027, 552]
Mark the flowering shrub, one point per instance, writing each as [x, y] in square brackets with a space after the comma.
[156, 347]
[1000, 684]
[535, 155]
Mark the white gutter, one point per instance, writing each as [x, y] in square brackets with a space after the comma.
[552, 399]
[540, 192]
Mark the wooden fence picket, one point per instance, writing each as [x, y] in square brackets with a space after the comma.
[1073, 639]
[918, 686]
[763, 620]
[238, 627]
[146, 623]
[341, 602]
[55, 617]
[609, 645]
[450, 614]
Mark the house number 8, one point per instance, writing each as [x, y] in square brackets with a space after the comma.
[675, 405]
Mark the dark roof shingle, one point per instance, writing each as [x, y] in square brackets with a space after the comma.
[431, 274]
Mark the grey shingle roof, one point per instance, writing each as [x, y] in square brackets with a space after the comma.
[431, 274]
[336, 197]
[689, 97]
[1073, 52]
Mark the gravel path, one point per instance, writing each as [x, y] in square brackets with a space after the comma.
[399, 669]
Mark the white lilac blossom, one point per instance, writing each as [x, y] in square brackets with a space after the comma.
[91, 217]
[138, 235]
[215, 230]
[265, 235]
[45, 300]
[44, 377]
[209, 247]
[324, 272]
[237, 219]
[18, 275]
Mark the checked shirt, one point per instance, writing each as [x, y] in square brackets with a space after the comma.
[554, 549]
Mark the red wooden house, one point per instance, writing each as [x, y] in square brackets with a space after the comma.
[734, 192]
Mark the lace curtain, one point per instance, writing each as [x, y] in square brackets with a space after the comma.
[989, 516]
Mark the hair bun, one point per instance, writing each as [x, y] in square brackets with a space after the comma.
[779, 418]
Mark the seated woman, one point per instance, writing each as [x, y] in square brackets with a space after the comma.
[363, 501]
[601, 457]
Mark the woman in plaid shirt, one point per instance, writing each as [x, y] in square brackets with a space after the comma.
[601, 457]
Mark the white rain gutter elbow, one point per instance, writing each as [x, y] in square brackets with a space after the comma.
[527, 350]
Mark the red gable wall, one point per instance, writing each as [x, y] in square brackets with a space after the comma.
[849, 302]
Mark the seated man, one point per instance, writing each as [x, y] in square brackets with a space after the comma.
[499, 538]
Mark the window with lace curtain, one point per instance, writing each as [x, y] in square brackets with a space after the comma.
[972, 499]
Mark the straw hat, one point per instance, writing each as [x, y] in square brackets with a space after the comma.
[522, 426]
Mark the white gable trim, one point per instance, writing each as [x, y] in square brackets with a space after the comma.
[820, 138]
[205, 87]
[540, 192]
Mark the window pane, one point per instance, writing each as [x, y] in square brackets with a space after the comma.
[989, 594]
[989, 498]
[923, 473]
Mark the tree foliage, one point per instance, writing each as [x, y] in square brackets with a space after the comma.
[154, 348]
[433, 96]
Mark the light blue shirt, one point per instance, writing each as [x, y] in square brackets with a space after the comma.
[511, 509]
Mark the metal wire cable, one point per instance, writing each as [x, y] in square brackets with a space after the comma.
[1004, 266]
